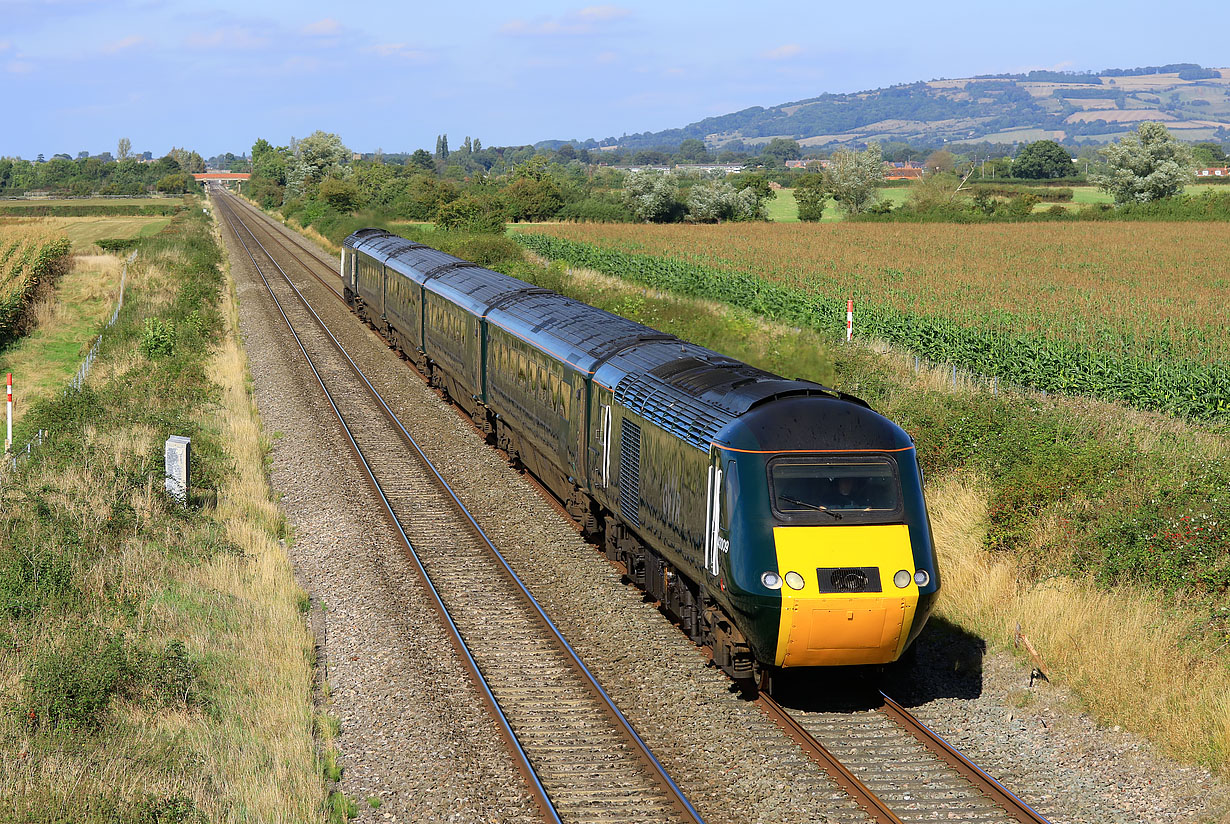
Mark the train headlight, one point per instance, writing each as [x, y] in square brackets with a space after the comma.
[922, 578]
[771, 580]
[902, 578]
[794, 580]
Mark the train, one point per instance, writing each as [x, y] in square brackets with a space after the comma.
[780, 523]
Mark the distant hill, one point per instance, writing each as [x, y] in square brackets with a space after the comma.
[1074, 108]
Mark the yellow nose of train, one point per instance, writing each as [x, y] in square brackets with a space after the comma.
[822, 624]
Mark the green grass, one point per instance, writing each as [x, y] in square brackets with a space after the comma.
[43, 361]
[785, 209]
[84, 231]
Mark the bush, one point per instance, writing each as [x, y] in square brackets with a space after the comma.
[596, 210]
[177, 184]
[71, 687]
[472, 213]
[341, 195]
[157, 338]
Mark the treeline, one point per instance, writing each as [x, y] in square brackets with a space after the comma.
[101, 175]
[316, 180]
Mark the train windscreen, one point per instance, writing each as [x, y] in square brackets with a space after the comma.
[819, 490]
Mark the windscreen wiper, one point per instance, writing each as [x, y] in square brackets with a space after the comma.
[807, 505]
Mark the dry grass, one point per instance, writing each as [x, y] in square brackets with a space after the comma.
[1120, 650]
[248, 753]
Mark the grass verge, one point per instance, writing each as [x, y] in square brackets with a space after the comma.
[65, 324]
[154, 662]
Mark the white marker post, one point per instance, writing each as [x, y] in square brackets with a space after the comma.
[8, 440]
[849, 320]
[178, 467]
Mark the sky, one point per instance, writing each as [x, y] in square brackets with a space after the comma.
[77, 75]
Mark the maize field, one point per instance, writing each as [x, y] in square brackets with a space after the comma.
[29, 254]
[1120, 311]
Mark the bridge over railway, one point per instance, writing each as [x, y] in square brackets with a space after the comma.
[226, 179]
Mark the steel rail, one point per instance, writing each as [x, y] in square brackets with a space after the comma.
[1015, 807]
[875, 806]
[678, 798]
[526, 768]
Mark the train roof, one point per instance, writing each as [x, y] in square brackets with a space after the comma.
[473, 287]
[692, 391]
[687, 389]
[575, 332]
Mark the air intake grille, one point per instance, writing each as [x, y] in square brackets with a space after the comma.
[849, 579]
[630, 472]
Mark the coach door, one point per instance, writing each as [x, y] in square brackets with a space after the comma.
[713, 511]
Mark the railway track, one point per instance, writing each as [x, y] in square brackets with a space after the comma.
[892, 766]
[895, 767]
[581, 758]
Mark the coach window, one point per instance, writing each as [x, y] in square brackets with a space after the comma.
[730, 494]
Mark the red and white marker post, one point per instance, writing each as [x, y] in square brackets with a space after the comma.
[8, 440]
[849, 320]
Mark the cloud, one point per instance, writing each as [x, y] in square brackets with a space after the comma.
[783, 52]
[119, 45]
[227, 37]
[19, 67]
[606, 58]
[398, 50]
[603, 13]
[322, 27]
[586, 21]
[5, 45]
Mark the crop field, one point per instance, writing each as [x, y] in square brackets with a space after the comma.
[1127, 311]
[91, 201]
[84, 231]
[28, 255]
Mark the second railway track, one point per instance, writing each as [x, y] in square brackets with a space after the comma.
[589, 763]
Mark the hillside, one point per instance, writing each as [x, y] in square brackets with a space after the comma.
[1194, 102]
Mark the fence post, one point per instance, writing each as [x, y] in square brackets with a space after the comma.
[849, 319]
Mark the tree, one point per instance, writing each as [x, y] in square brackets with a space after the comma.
[175, 184]
[717, 200]
[941, 161]
[532, 199]
[693, 150]
[851, 178]
[652, 196]
[782, 149]
[811, 194]
[124, 148]
[1043, 159]
[342, 195]
[1145, 166]
[442, 147]
[422, 159]
[1208, 154]
[472, 213]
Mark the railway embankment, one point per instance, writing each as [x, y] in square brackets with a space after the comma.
[154, 659]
